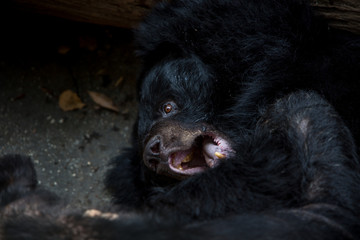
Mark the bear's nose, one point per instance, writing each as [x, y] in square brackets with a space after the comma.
[151, 154]
[154, 146]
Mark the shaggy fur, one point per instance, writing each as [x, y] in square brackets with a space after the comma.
[264, 83]
[299, 170]
[221, 65]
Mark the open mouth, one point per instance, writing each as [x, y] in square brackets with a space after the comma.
[179, 151]
[207, 151]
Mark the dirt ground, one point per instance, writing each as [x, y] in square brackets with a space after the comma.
[40, 57]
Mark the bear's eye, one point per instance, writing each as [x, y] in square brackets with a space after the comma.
[169, 108]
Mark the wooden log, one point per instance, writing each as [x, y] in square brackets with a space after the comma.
[119, 13]
[342, 14]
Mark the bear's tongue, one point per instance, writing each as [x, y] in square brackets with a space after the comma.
[191, 158]
[196, 157]
[182, 157]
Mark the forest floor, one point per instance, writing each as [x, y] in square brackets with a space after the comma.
[40, 58]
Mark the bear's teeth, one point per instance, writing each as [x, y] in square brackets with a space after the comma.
[188, 158]
[219, 155]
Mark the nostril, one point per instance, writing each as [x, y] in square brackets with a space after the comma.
[152, 151]
[154, 145]
[155, 148]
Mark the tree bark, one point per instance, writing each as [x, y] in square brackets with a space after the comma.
[119, 13]
[342, 14]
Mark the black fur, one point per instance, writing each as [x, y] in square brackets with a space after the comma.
[242, 54]
[269, 78]
[223, 64]
[296, 177]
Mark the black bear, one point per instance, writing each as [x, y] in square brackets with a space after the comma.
[295, 177]
[242, 132]
[210, 70]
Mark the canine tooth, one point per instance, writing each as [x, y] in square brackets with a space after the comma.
[188, 158]
[220, 155]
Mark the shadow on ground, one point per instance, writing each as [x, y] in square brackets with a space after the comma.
[40, 57]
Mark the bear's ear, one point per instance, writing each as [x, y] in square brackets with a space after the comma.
[17, 176]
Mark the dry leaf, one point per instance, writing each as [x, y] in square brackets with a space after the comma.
[101, 72]
[119, 81]
[103, 101]
[63, 50]
[69, 100]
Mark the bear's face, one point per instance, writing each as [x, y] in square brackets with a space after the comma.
[176, 120]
